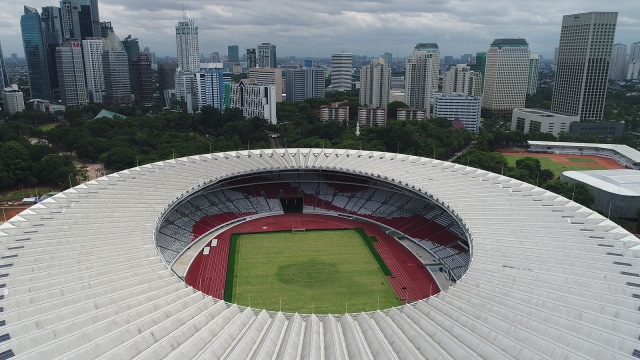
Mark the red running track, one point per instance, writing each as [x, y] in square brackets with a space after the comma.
[410, 279]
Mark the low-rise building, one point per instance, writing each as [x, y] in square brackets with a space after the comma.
[610, 128]
[537, 120]
[12, 99]
[412, 114]
[368, 117]
[334, 112]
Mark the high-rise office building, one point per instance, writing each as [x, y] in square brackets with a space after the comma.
[375, 84]
[115, 64]
[80, 19]
[71, 77]
[466, 59]
[507, 76]
[188, 50]
[36, 54]
[534, 70]
[480, 65]
[53, 36]
[633, 63]
[105, 29]
[210, 85]
[251, 58]
[304, 83]
[214, 57]
[388, 58]
[132, 48]
[4, 79]
[421, 75]
[582, 72]
[266, 56]
[460, 79]
[618, 67]
[142, 79]
[92, 49]
[233, 53]
[341, 71]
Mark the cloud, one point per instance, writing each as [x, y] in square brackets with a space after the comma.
[318, 29]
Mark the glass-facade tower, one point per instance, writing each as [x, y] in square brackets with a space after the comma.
[35, 53]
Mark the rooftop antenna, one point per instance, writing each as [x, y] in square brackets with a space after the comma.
[184, 12]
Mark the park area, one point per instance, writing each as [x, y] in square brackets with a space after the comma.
[320, 271]
[559, 162]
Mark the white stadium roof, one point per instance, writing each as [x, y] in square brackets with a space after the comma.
[548, 278]
[620, 182]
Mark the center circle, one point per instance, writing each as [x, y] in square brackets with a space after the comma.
[307, 273]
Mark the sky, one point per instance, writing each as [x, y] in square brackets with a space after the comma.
[320, 28]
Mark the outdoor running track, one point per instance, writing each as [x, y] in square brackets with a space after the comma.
[207, 273]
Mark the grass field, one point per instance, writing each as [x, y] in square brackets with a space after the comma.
[323, 271]
[47, 127]
[556, 167]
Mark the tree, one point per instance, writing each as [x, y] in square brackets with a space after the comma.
[392, 109]
[55, 169]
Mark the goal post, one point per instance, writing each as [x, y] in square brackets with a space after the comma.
[297, 231]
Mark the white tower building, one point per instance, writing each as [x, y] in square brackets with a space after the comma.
[460, 79]
[421, 77]
[341, 68]
[582, 73]
[12, 99]
[507, 75]
[73, 90]
[188, 52]
[375, 84]
[92, 53]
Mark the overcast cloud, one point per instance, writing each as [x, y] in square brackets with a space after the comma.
[319, 28]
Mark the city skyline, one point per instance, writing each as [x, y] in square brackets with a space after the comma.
[322, 29]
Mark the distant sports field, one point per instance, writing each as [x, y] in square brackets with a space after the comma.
[548, 161]
[323, 271]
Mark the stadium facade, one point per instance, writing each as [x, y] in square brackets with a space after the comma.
[548, 278]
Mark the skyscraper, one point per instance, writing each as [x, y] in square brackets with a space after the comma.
[4, 79]
[480, 65]
[233, 53]
[633, 63]
[618, 67]
[375, 84]
[582, 72]
[12, 99]
[388, 58]
[534, 70]
[251, 58]
[73, 91]
[188, 50]
[267, 55]
[36, 54]
[210, 85]
[115, 64]
[132, 48]
[142, 79]
[92, 49]
[80, 19]
[507, 76]
[460, 79]
[421, 76]
[341, 68]
[304, 83]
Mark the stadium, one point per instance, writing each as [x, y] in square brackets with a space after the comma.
[134, 264]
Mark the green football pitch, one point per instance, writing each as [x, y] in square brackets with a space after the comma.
[322, 272]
